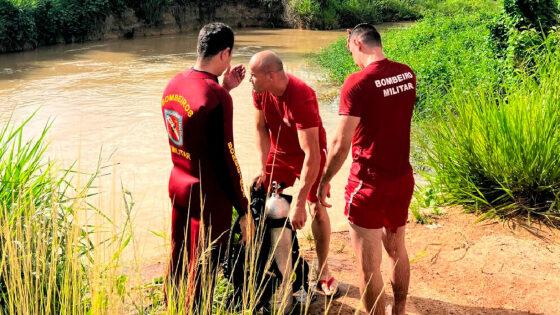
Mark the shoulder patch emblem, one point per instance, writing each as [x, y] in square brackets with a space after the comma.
[174, 124]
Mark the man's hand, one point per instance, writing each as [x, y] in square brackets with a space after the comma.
[324, 192]
[298, 216]
[247, 228]
[259, 179]
[233, 77]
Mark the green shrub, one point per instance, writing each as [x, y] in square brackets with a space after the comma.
[500, 153]
[149, 11]
[48, 19]
[80, 19]
[17, 27]
[442, 51]
[329, 14]
[521, 28]
[352, 12]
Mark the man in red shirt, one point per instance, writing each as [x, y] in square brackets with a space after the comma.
[205, 182]
[291, 143]
[376, 106]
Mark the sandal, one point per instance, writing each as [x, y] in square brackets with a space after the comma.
[328, 289]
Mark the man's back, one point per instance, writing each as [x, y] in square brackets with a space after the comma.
[383, 96]
[193, 117]
[198, 116]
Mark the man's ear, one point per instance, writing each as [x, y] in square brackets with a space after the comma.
[359, 43]
[224, 54]
[270, 75]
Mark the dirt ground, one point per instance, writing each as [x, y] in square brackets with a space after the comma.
[459, 266]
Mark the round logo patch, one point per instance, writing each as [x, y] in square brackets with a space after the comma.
[174, 123]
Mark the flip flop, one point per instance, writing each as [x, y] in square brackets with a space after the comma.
[327, 288]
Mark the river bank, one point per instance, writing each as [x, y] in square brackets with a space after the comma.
[26, 25]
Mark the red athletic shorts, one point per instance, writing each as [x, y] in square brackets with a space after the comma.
[379, 203]
[286, 172]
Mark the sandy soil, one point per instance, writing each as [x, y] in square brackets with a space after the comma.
[459, 266]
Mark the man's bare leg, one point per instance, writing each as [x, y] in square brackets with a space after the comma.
[321, 228]
[367, 247]
[394, 243]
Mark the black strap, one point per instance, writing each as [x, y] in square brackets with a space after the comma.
[278, 223]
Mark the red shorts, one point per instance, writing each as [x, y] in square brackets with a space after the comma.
[286, 172]
[381, 203]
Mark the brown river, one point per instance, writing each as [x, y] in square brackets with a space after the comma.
[104, 101]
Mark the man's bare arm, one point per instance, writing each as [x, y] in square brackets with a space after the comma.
[309, 143]
[338, 151]
[263, 144]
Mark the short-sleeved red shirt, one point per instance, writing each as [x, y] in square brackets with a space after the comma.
[383, 95]
[296, 109]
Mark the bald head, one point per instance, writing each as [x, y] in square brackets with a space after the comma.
[266, 61]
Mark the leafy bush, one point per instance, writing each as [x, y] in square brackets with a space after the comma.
[500, 153]
[17, 27]
[80, 19]
[26, 24]
[439, 49]
[329, 14]
[149, 11]
[521, 28]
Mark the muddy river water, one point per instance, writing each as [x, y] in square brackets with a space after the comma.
[104, 101]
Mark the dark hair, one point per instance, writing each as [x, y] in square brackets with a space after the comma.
[213, 38]
[368, 33]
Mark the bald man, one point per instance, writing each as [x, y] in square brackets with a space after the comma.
[291, 143]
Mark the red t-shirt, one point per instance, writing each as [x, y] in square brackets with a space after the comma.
[198, 115]
[295, 110]
[383, 96]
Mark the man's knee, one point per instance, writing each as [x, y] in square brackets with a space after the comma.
[394, 243]
[370, 269]
[318, 212]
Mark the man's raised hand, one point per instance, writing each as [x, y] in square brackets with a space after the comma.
[233, 77]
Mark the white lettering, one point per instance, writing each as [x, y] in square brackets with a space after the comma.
[398, 89]
[394, 79]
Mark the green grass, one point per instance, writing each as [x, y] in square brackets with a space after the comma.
[499, 153]
[51, 262]
[332, 14]
[485, 129]
[61, 254]
[442, 51]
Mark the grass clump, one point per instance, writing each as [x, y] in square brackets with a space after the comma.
[50, 263]
[499, 153]
[442, 50]
[488, 104]
[331, 14]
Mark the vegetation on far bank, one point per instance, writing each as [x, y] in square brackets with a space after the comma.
[332, 14]
[488, 102]
[27, 24]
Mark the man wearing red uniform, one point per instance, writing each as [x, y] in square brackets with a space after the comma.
[205, 181]
[376, 106]
[291, 143]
